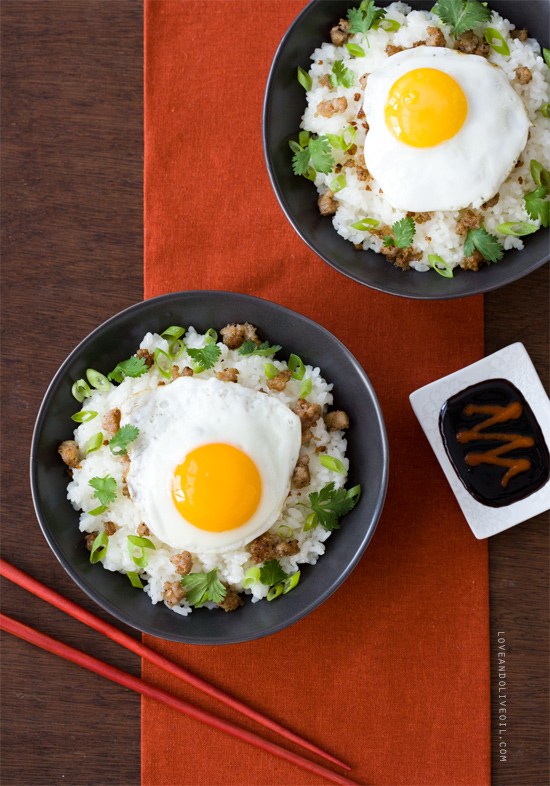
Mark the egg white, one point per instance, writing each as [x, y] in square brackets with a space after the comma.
[467, 169]
[188, 413]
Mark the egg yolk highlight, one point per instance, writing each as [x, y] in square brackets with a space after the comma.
[425, 107]
[217, 488]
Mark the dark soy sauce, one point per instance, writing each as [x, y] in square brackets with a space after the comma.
[494, 442]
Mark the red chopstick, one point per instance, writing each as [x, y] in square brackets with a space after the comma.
[146, 689]
[55, 599]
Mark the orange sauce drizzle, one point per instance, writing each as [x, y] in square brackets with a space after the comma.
[497, 414]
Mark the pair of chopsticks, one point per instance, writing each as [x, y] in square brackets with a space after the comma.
[147, 689]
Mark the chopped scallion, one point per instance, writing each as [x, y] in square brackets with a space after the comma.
[172, 333]
[165, 372]
[311, 174]
[274, 592]
[333, 463]
[355, 50]
[366, 224]
[270, 370]
[338, 184]
[306, 388]
[539, 174]
[304, 78]
[251, 578]
[303, 138]
[517, 228]
[134, 579]
[310, 522]
[285, 532]
[84, 416]
[94, 442]
[344, 144]
[297, 367]
[389, 25]
[80, 390]
[354, 493]
[97, 380]
[99, 549]
[290, 582]
[434, 261]
[210, 336]
[546, 55]
[176, 348]
[500, 47]
[98, 511]
[545, 110]
[294, 146]
[134, 541]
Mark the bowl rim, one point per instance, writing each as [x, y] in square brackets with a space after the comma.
[478, 289]
[94, 594]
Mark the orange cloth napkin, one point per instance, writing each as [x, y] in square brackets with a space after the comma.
[392, 672]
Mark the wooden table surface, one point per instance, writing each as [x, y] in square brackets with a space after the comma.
[72, 205]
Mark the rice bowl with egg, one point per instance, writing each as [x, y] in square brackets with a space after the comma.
[233, 563]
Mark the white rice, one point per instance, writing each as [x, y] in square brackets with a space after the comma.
[438, 235]
[232, 565]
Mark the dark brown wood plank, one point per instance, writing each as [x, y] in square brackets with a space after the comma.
[72, 204]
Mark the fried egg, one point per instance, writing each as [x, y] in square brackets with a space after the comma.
[212, 465]
[445, 129]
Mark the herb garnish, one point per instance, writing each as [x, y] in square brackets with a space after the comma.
[403, 234]
[105, 489]
[318, 152]
[202, 587]
[99, 547]
[264, 350]
[487, 245]
[119, 443]
[134, 541]
[304, 78]
[204, 358]
[434, 260]
[330, 503]
[272, 573]
[537, 206]
[341, 75]
[133, 367]
[461, 16]
[362, 19]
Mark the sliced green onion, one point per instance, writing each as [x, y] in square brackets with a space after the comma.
[334, 140]
[389, 25]
[311, 174]
[330, 462]
[517, 228]
[539, 174]
[84, 416]
[274, 592]
[99, 548]
[346, 145]
[94, 442]
[97, 380]
[545, 109]
[304, 78]
[211, 336]
[303, 138]
[270, 370]
[285, 532]
[134, 579]
[310, 522]
[294, 146]
[447, 272]
[173, 332]
[251, 578]
[546, 55]
[305, 388]
[501, 47]
[176, 349]
[134, 541]
[356, 51]
[80, 390]
[365, 224]
[98, 511]
[354, 493]
[338, 183]
[290, 582]
[166, 373]
[297, 367]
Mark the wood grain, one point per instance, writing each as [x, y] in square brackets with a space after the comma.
[72, 241]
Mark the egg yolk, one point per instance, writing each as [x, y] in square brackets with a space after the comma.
[425, 107]
[217, 488]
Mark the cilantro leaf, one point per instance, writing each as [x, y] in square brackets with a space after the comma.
[330, 503]
[461, 16]
[362, 19]
[300, 161]
[205, 357]
[341, 75]
[321, 157]
[119, 443]
[487, 245]
[403, 231]
[133, 367]
[272, 573]
[202, 587]
[105, 489]
[537, 205]
[264, 350]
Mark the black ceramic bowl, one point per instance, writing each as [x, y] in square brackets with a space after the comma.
[283, 107]
[118, 338]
